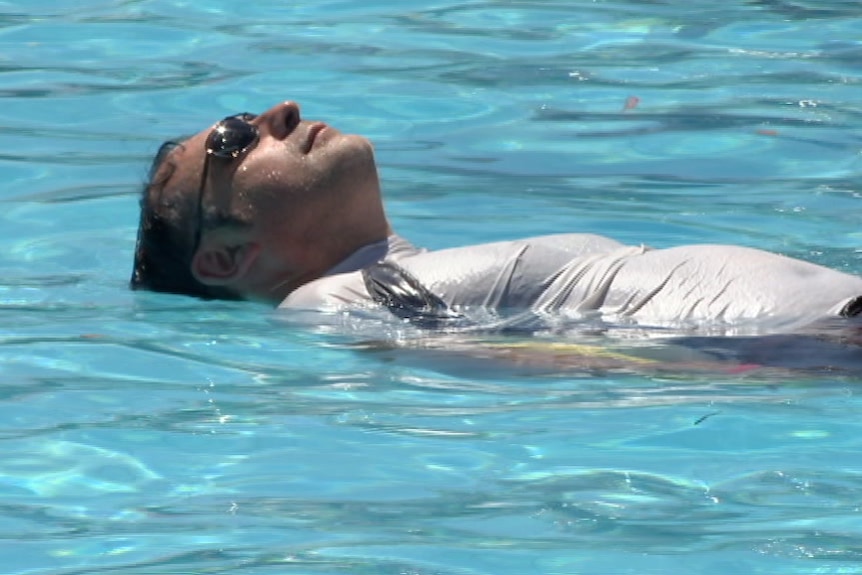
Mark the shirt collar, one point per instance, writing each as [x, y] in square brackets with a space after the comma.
[392, 247]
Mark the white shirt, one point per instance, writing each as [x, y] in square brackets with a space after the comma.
[589, 278]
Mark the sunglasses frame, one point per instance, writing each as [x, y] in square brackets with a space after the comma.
[219, 144]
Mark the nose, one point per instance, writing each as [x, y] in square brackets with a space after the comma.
[280, 120]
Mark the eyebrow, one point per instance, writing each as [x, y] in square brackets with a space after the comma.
[162, 154]
[154, 180]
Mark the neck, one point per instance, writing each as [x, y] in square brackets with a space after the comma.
[274, 292]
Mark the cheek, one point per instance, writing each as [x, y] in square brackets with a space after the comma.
[263, 181]
[289, 185]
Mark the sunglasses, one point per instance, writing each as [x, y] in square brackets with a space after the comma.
[229, 139]
[232, 137]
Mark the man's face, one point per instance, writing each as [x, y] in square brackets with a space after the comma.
[299, 186]
[297, 171]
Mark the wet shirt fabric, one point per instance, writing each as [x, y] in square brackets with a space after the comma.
[585, 277]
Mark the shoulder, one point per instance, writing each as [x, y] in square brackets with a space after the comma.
[332, 292]
[551, 248]
[343, 285]
[575, 244]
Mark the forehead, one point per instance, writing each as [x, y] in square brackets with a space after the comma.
[179, 172]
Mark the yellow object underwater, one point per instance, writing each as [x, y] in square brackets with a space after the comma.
[575, 350]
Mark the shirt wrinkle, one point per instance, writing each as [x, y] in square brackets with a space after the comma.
[581, 275]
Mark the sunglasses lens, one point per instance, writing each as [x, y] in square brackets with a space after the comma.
[231, 137]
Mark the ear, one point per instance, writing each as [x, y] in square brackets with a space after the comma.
[219, 264]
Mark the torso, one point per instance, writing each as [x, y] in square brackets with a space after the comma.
[583, 275]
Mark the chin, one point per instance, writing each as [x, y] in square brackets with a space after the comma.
[354, 156]
[359, 143]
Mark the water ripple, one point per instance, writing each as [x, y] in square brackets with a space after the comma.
[145, 433]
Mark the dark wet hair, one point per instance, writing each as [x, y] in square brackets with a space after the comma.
[164, 249]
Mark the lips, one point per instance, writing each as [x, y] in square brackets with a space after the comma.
[313, 135]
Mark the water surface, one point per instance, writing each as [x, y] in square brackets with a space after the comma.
[153, 434]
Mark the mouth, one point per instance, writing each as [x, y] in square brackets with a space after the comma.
[315, 135]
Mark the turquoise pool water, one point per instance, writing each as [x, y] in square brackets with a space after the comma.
[152, 434]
